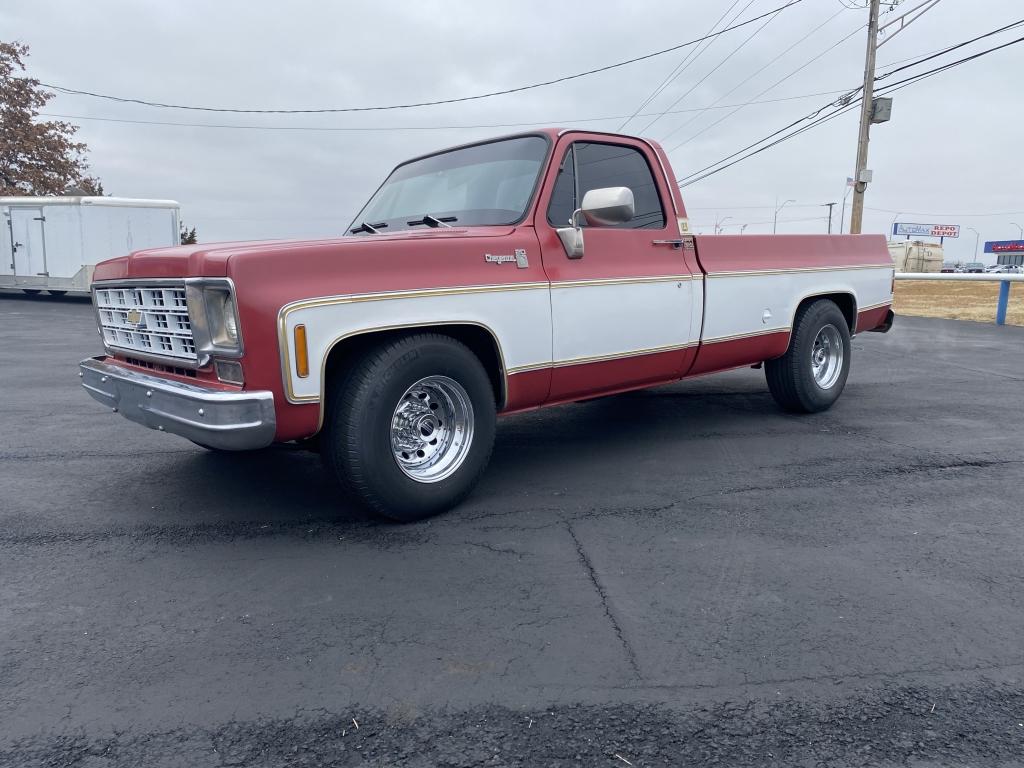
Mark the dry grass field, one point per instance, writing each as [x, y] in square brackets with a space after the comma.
[957, 301]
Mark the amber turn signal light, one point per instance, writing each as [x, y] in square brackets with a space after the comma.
[301, 352]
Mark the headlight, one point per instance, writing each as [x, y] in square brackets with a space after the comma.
[230, 323]
[222, 318]
[214, 315]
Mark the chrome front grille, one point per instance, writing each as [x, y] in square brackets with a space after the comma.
[152, 320]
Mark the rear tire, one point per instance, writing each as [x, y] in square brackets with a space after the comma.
[31, 291]
[410, 426]
[811, 376]
[57, 293]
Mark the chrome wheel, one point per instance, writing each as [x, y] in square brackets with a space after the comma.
[827, 357]
[432, 429]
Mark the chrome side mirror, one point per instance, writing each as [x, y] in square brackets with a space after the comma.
[606, 206]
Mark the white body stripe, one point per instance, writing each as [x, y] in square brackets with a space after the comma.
[520, 319]
[736, 303]
[578, 321]
[607, 320]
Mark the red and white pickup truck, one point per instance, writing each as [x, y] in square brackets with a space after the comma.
[496, 277]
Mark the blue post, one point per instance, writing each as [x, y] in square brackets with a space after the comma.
[1004, 299]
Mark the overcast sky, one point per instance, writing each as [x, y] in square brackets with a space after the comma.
[951, 154]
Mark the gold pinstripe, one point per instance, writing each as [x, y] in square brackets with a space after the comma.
[737, 336]
[875, 306]
[794, 270]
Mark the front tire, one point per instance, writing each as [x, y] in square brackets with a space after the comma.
[812, 374]
[410, 426]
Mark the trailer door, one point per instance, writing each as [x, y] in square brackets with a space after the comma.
[27, 243]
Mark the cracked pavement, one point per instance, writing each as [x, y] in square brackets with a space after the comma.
[680, 576]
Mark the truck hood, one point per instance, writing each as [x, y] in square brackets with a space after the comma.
[215, 259]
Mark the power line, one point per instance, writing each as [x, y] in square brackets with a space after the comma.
[947, 215]
[950, 65]
[771, 87]
[475, 97]
[693, 178]
[750, 207]
[952, 48]
[732, 53]
[678, 70]
[910, 58]
[785, 128]
[755, 223]
[755, 73]
[375, 128]
[844, 106]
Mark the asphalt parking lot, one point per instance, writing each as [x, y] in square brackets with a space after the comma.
[682, 576]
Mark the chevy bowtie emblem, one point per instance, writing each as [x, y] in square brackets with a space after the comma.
[134, 317]
[507, 258]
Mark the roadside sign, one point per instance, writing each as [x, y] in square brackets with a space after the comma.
[1004, 246]
[926, 230]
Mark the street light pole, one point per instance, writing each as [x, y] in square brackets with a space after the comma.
[1020, 233]
[842, 211]
[866, 109]
[977, 240]
[719, 223]
[775, 221]
[830, 207]
[892, 227]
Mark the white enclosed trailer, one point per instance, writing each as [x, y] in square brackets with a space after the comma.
[916, 256]
[53, 243]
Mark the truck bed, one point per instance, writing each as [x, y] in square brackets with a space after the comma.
[753, 285]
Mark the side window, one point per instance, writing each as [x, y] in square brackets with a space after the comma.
[563, 196]
[611, 165]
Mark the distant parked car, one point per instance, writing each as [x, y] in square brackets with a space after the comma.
[948, 267]
[975, 267]
[1004, 269]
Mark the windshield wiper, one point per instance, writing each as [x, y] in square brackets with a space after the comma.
[372, 229]
[432, 221]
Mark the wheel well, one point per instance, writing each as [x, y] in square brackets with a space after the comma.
[480, 341]
[846, 303]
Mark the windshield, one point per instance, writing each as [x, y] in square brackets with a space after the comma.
[483, 184]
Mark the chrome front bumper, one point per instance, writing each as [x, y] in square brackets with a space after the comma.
[229, 420]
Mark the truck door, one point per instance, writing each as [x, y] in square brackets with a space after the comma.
[621, 313]
[27, 244]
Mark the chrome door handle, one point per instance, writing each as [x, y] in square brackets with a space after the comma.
[673, 243]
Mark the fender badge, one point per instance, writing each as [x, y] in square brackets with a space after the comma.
[519, 258]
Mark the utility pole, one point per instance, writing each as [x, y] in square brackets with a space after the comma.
[830, 207]
[860, 175]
